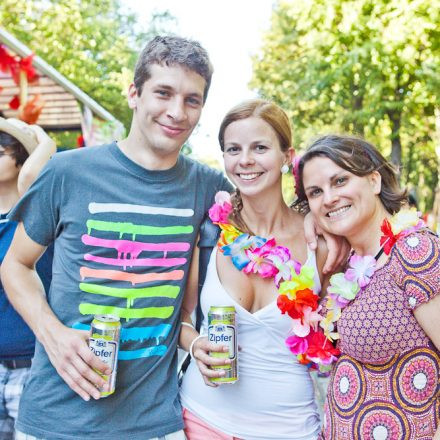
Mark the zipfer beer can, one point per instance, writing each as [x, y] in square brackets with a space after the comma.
[104, 343]
[222, 329]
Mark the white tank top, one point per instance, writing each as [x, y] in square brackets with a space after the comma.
[274, 396]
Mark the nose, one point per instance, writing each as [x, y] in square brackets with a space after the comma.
[330, 197]
[176, 110]
[246, 158]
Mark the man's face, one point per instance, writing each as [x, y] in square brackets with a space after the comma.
[168, 109]
[8, 168]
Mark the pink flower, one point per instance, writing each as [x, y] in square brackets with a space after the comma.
[296, 344]
[310, 319]
[339, 300]
[222, 197]
[259, 263]
[219, 212]
[284, 271]
[280, 258]
[280, 252]
[361, 269]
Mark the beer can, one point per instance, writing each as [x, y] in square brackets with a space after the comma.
[222, 329]
[104, 343]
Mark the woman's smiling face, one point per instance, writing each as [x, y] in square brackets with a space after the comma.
[342, 202]
[252, 155]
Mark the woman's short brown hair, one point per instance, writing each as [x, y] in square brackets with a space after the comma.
[269, 112]
[359, 157]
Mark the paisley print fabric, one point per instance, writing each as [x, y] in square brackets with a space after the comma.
[385, 386]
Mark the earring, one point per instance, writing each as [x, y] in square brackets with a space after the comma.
[285, 169]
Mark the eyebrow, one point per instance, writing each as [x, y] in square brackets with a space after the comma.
[262, 141]
[333, 177]
[257, 142]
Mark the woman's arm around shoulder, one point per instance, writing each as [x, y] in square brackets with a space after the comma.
[321, 258]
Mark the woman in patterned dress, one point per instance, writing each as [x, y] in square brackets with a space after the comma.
[385, 384]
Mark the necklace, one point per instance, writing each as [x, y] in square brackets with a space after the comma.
[294, 282]
[344, 287]
[312, 335]
[378, 255]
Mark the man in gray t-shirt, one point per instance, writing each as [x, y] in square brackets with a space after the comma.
[124, 218]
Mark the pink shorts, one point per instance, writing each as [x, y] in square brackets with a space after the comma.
[197, 429]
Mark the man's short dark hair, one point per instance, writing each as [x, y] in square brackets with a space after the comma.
[172, 51]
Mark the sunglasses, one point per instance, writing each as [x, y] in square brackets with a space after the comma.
[5, 153]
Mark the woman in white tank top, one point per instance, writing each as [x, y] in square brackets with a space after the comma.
[274, 396]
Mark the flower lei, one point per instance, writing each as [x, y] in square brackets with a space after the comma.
[312, 334]
[344, 287]
[254, 254]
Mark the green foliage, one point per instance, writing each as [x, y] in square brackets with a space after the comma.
[288, 188]
[65, 140]
[359, 66]
[93, 43]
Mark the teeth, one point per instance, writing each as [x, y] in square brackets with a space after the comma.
[338, 211]
[249, 176]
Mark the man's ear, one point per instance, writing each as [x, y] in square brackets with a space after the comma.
[132, 96]
[376, 182]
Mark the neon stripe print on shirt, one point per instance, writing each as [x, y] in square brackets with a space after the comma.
[130, 270]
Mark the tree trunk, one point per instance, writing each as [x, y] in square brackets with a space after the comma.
[358, 126]
[396, 145]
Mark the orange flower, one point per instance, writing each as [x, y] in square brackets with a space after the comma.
[295, 307]
[303, 359]
[307, 298]
[32, 109]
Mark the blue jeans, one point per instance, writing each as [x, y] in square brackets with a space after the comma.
[11, 386]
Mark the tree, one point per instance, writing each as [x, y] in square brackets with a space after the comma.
[92, 43]
[360, 66]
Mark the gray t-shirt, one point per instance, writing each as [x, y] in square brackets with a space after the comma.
[123, 242]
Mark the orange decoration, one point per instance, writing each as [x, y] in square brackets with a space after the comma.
[32, 110]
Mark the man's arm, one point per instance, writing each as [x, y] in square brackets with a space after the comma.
[67, 348]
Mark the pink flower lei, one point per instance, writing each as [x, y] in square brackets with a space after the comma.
[294, 281]
[312, 334]
[344, 287]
